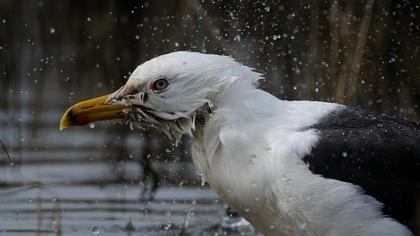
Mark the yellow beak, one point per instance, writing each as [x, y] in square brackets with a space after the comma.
[91, 110]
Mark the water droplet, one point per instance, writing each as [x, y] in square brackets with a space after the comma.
[52, 30]
[92, 125]
[285, 179]
[302, 226]
[344, 154]
[275, 37]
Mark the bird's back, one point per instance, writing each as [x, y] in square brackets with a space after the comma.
[379, 153]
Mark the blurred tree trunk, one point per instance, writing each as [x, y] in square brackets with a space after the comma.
[313, 57]
[349, 70]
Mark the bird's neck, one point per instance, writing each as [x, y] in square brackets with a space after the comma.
[222, 97]
[225, 107]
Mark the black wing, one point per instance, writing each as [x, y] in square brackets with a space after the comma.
[379, 153]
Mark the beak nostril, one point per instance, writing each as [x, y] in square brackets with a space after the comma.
[133, 92]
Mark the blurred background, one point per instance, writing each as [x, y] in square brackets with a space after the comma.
[106, 179]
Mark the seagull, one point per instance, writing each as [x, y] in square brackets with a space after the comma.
[288, 167]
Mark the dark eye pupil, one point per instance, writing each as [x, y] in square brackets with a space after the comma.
[160, 84]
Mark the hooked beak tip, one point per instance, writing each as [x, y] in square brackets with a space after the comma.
[91, 110]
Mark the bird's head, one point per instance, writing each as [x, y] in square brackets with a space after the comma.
[167, 91]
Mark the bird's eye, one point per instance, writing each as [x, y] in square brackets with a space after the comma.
[159, 85]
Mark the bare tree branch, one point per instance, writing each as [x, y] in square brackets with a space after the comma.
[5, 150]
[313, 53]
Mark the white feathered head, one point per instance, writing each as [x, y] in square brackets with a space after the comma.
[167, 91]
